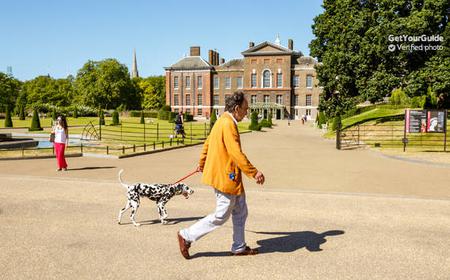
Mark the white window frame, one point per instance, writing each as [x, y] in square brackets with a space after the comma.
[188, 80]
[296, 83]
[218, 82]
[214, 100]
[279, 97]
[253, 99]
[310, 100]
[251, 80]
[176, 100]
[188, 99]
[270, 78]
[268, 99]
[227, 82]
[175, 82]
[199, 82]
[199, 98]
[279, 85]
[310, 78]
[241, 82]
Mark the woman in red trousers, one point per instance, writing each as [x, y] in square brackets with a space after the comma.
[61, 141]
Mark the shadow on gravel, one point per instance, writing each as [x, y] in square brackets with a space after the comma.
[289, 242]
[91, 168]
[292, 241]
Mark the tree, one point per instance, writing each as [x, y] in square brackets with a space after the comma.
[398, 97]
[21, 112]
[35, 122]
[9, 90]
[106, 84]
[101, 117]
[8, 120]
[153, 91]
[359, 57]
[45, 92]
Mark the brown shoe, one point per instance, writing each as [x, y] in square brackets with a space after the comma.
[247, 251]
[184, 246]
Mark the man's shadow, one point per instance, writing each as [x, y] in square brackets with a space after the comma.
[292, 241]
[287, 242]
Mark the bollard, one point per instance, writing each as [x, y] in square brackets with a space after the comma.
[107, 150]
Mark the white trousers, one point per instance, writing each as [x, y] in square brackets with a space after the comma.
[226, 205]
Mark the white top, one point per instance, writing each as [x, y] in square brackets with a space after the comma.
[235, 121]
[60, 135]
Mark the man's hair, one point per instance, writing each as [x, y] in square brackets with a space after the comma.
[236, 99]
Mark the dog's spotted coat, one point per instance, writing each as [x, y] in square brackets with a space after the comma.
[161, 193]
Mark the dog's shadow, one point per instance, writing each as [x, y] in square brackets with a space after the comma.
[286, 242]
[172, 221]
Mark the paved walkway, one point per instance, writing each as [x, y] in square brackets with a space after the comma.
[323, 214]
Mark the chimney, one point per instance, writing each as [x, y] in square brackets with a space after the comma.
[195, 51]
[291, 44]
[222, 60]
[251, 44]
[217, 58]
[211, 57]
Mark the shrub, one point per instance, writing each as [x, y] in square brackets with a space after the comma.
[35, 122]
[213, 119]
[115, 118]
[101, 117]
[398, 97]
[430, 100]
[21, 112]
[321, 119]
[265, 123]
[54, 114]
[163, 115]
[254, 122]
[142, 121]
[269, 119]
[417, 101]
[336, 122]
[172, 116]
[75, 113]
[147, 114]
[188, 117]
[8, 120]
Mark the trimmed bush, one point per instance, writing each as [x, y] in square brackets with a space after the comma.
[115, 118]
[336, 121]
[142, 121]
[35, 122]
[321, 119]
[188, 117]
[254, 122]
[147, 114]
[163, 115]
[8, 120]
[21, 112]
[213, 119]
[265, 123]
[269, 119]
[172, 116]
[101, 117]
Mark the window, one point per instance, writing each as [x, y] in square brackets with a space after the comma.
[199, 100]
[176, 102]
[199, 82]
[188, 82]
[253, 99]
[216, 82]
[266, 99]
[280, 99]
[266, 79]
[296, 100]
[309, 81]
[239, 82]
[308, 112]
[188, 99]
[227, 82]
[253, 85]
[216, 100]
[308, 100]
[296, 81]
[175, 82]
[279, 80]
[199, 111]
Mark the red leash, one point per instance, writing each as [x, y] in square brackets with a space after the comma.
[187, 176]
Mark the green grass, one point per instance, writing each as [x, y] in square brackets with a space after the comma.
[370, 115]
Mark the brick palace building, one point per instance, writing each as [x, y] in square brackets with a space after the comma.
[274, 78]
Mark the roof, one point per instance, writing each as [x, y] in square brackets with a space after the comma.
[305, 60]
[190, 63]
[233, 64]
[267, 48]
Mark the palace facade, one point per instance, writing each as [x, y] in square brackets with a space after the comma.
[274, 78]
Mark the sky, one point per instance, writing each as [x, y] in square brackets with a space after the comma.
[58, 37]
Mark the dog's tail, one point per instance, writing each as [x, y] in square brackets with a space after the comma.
[120, 179]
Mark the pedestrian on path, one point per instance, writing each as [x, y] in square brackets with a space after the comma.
[61, 141]
[221, 162]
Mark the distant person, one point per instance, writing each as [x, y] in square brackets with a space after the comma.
[303, 119]
[179, 129]
[222, 163]
[61, 132]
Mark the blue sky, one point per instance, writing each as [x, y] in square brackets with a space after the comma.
[58, 37]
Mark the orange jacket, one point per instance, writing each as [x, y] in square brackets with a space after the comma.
[222, 157]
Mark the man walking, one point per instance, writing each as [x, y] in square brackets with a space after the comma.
[221, 162]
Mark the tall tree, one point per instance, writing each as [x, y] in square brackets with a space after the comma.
[106, 84]
[353, 39]
[9, 91]
[153, 92]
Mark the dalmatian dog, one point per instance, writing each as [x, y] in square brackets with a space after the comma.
[161, 193]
